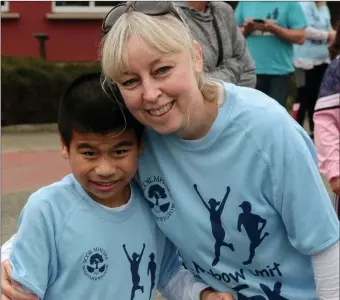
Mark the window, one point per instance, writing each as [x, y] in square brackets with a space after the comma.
[83, 6]
[4, 6]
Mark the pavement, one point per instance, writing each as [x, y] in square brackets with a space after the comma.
[29, 160]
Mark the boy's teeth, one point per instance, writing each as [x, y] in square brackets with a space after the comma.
[105, 183]
[161, 111]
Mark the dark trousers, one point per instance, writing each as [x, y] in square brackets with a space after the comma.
[275, 86]
[308, 94]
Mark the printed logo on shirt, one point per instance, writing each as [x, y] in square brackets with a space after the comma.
[159, 198]
[134, 261]
[215, 210]
[253, 225]
[95, 263]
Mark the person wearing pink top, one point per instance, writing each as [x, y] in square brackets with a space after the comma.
[327, 128]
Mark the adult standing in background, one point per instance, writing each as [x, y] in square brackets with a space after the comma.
[225, 52]
[271, 29]
[311, 59]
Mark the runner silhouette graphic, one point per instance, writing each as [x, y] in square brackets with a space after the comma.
[134, 266]
[215, 209]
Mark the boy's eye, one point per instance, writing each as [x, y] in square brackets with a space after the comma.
[162, 70]
[89, 153]
[119, 152]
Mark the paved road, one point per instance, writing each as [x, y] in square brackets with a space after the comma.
[28, 161]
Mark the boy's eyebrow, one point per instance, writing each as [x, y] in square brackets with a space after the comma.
[120, 144]
[84, 145]
[124, 144]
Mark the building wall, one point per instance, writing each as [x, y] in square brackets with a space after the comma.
[69, 40]
[75, 40]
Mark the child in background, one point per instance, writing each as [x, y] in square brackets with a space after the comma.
[327, 123]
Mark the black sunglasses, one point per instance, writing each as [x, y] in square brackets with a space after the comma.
[150, 8]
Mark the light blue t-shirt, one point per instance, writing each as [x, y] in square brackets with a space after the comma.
[319, 19]
[272, 55]
[70, 247]
[245, 205]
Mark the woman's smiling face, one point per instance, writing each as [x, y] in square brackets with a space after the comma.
[160, 89]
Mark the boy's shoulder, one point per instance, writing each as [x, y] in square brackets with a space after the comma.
[61, 195]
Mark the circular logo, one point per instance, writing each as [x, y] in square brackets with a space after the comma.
[95, 263]
[158, 198]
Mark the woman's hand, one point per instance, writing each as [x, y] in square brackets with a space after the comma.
[8, 285]
[210, 294]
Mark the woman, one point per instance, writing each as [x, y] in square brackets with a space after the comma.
[223, 165]
[227, 148]
[311, 58]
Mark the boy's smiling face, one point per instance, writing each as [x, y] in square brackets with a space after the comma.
[104, 164]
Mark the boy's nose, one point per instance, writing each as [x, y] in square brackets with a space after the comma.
[106, 168]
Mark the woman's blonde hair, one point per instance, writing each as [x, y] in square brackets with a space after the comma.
[166, 33]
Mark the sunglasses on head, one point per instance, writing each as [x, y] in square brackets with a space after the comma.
[150, 8]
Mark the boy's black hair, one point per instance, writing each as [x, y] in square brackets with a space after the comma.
[87, 108]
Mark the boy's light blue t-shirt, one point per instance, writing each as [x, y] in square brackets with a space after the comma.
[314, 50]
[272, 55]
[70, 247]
[245, 205]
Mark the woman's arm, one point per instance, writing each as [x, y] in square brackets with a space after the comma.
[6, 248]
[326, 276]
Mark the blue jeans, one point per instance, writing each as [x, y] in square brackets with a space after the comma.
[275, 86]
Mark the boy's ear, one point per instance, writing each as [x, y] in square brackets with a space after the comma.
[64, 150]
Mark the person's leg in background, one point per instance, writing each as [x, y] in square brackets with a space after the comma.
[300, 83]
[263, 83]
[279, 88]
[301, 99]
[313, 82]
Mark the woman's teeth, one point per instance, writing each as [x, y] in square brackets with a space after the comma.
[163, 110]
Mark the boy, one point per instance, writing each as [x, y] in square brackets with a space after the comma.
[91, 235]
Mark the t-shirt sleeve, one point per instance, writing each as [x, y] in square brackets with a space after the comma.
[296, 17]
[298, 192]
[33, 257]
[171, 263]
[239, 14]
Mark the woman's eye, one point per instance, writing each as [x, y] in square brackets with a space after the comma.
[129, 82]
[163, 70]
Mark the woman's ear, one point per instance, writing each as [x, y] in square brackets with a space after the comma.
[64, 150]
[198, 57]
